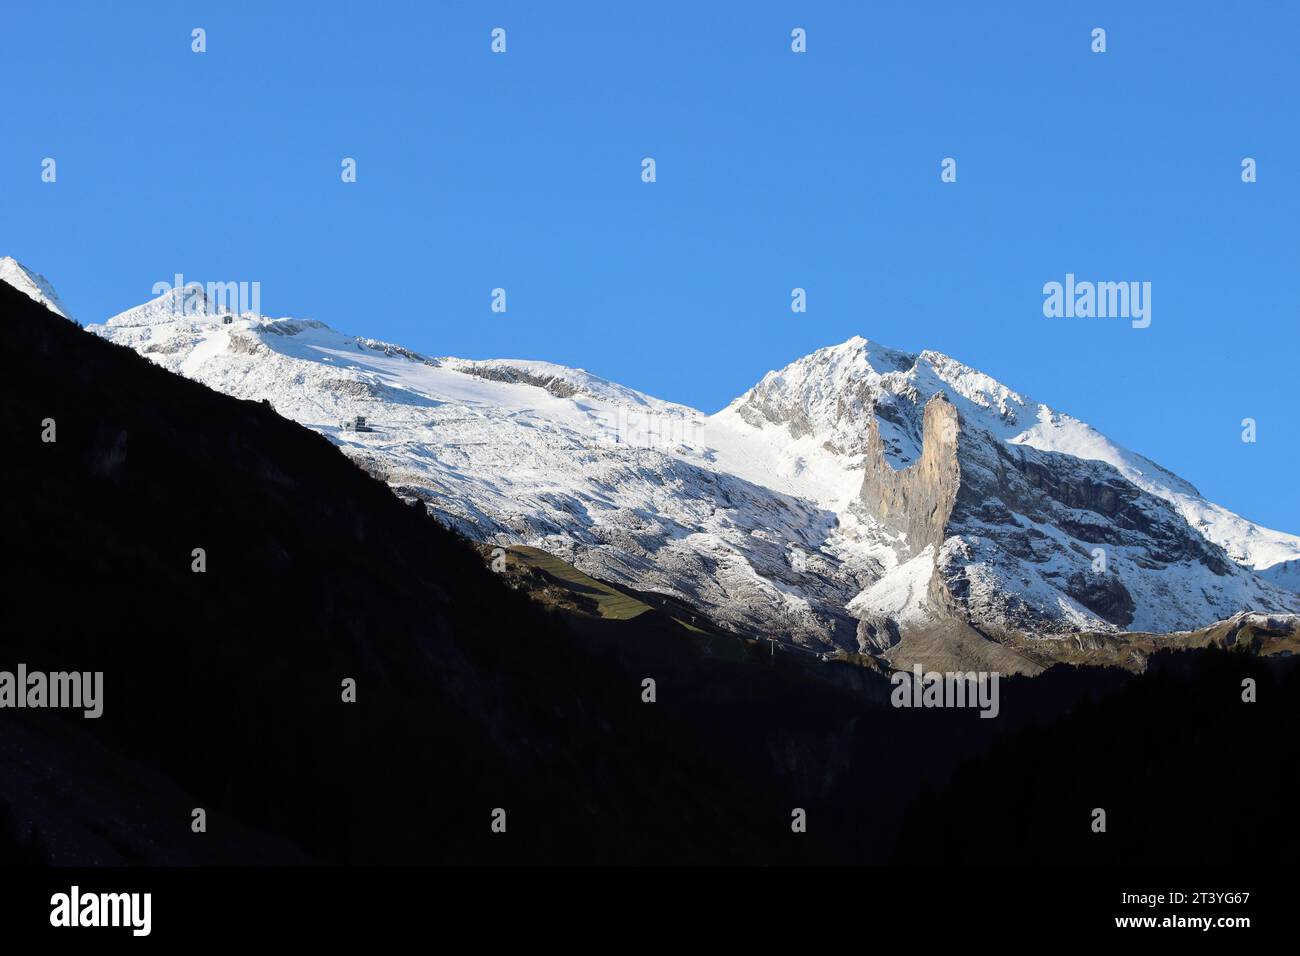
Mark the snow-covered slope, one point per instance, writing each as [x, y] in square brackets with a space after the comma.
[31, 284]
[629, 488]
[859, 482]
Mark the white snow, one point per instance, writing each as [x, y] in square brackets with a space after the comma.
[32, 284]
[901, 594]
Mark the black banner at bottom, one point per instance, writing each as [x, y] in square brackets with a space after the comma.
[335, 905]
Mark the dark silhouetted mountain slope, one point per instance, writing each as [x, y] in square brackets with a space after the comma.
[470, 697]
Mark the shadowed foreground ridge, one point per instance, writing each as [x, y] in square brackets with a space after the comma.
[228, 682]
[222, 689]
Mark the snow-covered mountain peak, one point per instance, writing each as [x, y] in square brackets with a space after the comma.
[828, 396]
[175, 304]
[32, 284]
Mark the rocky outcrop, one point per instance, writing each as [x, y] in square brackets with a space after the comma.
[554, 384]
[918, 500]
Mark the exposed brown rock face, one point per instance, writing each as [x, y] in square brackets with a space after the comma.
[918, 500]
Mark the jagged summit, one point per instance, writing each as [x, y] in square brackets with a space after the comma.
[32, 284]
[827, 392]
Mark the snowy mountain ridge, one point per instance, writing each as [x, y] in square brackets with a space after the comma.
[857, 495]
[32, 284]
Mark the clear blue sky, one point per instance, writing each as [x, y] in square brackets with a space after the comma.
[775, 170]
